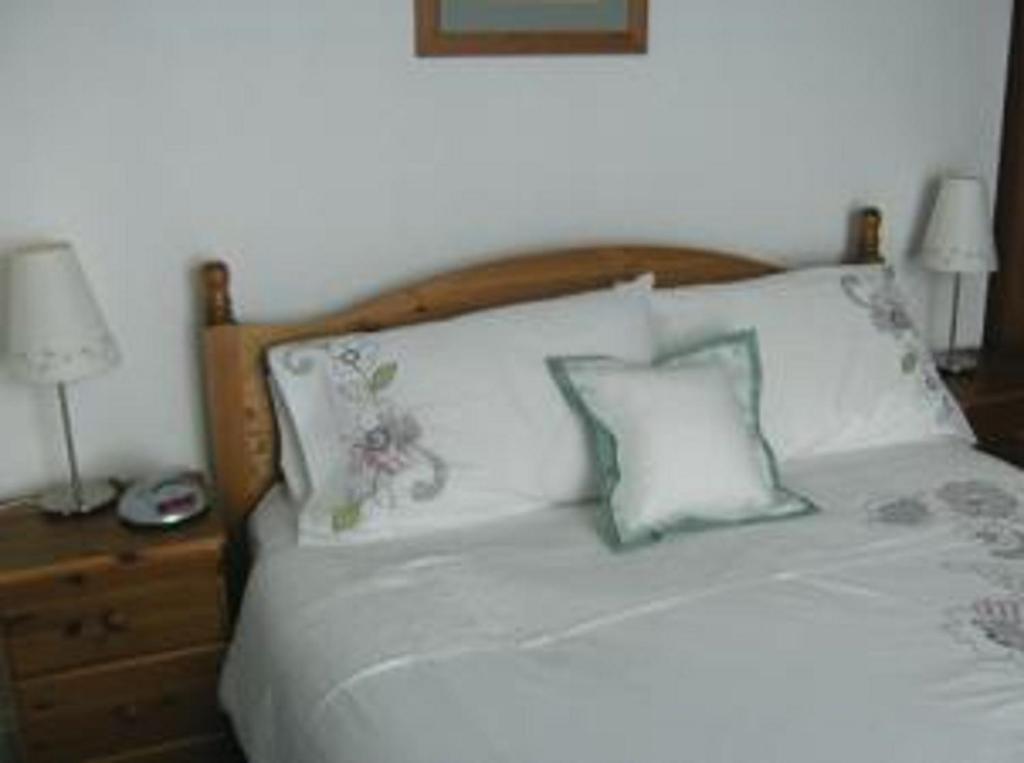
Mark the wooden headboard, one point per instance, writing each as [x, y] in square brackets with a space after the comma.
[240, 418]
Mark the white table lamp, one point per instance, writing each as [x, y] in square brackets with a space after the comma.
[57, 335]
[959, 240]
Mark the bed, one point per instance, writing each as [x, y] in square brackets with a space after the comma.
[888, 625]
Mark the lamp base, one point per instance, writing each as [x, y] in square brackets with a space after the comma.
[956, 362]
[95, 495]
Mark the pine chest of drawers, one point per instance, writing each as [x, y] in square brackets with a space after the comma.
[113, 638]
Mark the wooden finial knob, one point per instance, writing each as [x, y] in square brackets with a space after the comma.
[216, 288]
[870, 236]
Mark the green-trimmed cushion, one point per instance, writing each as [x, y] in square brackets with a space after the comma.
[678, 444]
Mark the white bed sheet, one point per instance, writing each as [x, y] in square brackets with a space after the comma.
[888, 627]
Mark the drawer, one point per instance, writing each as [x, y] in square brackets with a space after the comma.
[134, 704]
[71, 621]
[217, 749]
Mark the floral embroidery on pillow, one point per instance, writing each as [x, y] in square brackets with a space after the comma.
[882, 299]
[888, 313]
[384, 441]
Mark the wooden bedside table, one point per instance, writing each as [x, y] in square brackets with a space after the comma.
[113, 638]
[992, 396]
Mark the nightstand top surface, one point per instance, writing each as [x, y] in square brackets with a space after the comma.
[32, 542]
[995, 379]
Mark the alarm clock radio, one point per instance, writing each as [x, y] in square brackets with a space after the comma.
[163, 501]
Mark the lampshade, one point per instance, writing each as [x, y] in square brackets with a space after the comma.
[56, 330]
[959, 234]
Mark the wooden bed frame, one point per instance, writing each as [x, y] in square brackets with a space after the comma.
[241, 421]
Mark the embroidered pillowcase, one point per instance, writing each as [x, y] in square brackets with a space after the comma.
[678, 444]
[444, 423]
[844, 367]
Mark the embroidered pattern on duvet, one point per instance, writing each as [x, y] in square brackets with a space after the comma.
[993, 518]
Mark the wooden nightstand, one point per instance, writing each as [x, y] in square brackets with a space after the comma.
[114, 638]
[992, 396]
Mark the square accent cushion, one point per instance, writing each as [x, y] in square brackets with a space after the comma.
[678, 443]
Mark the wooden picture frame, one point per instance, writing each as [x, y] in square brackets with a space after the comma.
[433, 40]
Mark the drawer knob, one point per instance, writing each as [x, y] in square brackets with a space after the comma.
[114, 621]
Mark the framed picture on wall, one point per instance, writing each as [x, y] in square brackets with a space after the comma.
[524, 27]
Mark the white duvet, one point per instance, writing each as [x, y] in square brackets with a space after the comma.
[888, 627]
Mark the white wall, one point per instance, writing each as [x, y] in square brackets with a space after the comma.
[301, 139]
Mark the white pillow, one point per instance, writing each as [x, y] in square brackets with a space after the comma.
[293, 468]
[449, 422]
[844, 367]
[679, 444]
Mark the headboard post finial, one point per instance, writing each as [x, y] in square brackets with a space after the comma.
[869, 239]
[216, 287]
